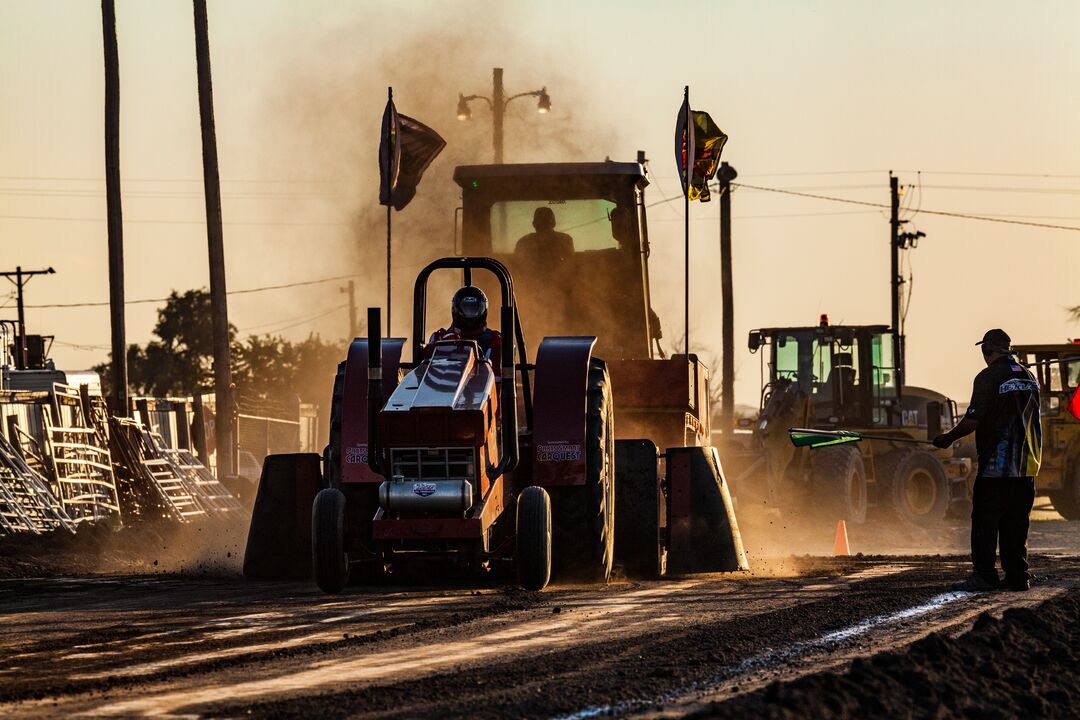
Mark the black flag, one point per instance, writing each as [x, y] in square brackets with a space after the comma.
[406, 149]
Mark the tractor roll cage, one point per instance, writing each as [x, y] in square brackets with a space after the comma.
[513, 343]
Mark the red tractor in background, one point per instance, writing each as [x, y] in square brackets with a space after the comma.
[545, 464]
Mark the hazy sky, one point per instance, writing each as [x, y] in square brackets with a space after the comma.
[982, 97]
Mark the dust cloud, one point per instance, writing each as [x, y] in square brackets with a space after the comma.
[323, 121]
[210, 547]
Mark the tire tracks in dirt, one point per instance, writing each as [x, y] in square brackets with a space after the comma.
[585, 623]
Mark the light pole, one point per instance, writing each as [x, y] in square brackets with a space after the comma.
[498, 102]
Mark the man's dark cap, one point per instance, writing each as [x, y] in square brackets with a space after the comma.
[997, 339]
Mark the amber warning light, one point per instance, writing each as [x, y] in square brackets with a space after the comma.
[824, 319]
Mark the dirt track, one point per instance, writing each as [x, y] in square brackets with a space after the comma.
[206, 642]
[170, 645]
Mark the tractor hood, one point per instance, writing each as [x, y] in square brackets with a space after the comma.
[449, 398]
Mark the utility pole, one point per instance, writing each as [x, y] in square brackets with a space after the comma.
[226, 447]
[727, 392]
[351, 290]
[498, 113]
[21, 277]
[114, 214]
[498, 102]
[895, 279]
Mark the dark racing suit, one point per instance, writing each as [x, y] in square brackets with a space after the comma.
[490, 342]
[1005, 402]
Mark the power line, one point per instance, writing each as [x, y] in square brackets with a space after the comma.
[79, 346]
[302, 321]
[167, 194]
[774, 215]
[231, 292]
[176, 222]
[193, 181]
[994, 188]
[992, 174]
[943, 213]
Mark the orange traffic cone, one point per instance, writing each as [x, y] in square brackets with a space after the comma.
[840, 546]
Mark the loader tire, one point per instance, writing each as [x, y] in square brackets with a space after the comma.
[838, 491]
[328, 554]
[584, 516]
[914, 487]
[1067, 500]
[533, 538]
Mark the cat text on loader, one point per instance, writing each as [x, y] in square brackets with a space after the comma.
[844, 377]
[441, 459]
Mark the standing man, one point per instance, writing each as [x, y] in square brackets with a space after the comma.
[1004, 415]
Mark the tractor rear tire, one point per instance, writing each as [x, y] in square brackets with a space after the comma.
[584, 520]
[914, 487]
[839, 485]
[332, 454]
[1067, 500]
[328, 554]
[534, 538]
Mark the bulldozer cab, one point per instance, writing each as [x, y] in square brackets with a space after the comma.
[574, 236]
[847, 374]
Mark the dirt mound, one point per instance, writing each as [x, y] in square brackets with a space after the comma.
[1027, 664]
[209, 546]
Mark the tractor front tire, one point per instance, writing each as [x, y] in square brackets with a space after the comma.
[915, 487]
[329, 556]
[1067, 500]
[584, 520]
[839, 484]
[534, 538]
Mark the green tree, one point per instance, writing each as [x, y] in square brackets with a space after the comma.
[271, 374]
[179, 361]
[272, 370]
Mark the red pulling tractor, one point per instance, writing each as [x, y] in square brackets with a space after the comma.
[440, 464]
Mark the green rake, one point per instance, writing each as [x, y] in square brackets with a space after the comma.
[802, 437]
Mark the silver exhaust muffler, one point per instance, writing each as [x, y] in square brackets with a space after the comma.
[434, 496]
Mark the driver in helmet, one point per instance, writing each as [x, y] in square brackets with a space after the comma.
[469, 311]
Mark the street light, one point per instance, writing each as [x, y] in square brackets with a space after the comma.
[498, 102]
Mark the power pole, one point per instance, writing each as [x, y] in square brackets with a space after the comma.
[114, 213]
[895, 279]
[226, 447]
[21, 278]
[351, 290]
[498, 110]
[727, 391]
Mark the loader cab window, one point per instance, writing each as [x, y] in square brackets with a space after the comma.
[883, 367]
[577, 268]
[786, 357]
[1053, 378]
[1072, 374]
[883, 362]
[522, 227]
[800, 358]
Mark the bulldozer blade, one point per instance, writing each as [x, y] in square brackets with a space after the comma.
[279, 539]
[703, 533]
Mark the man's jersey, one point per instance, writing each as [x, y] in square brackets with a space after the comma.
[490, 342]
[1005, 402]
